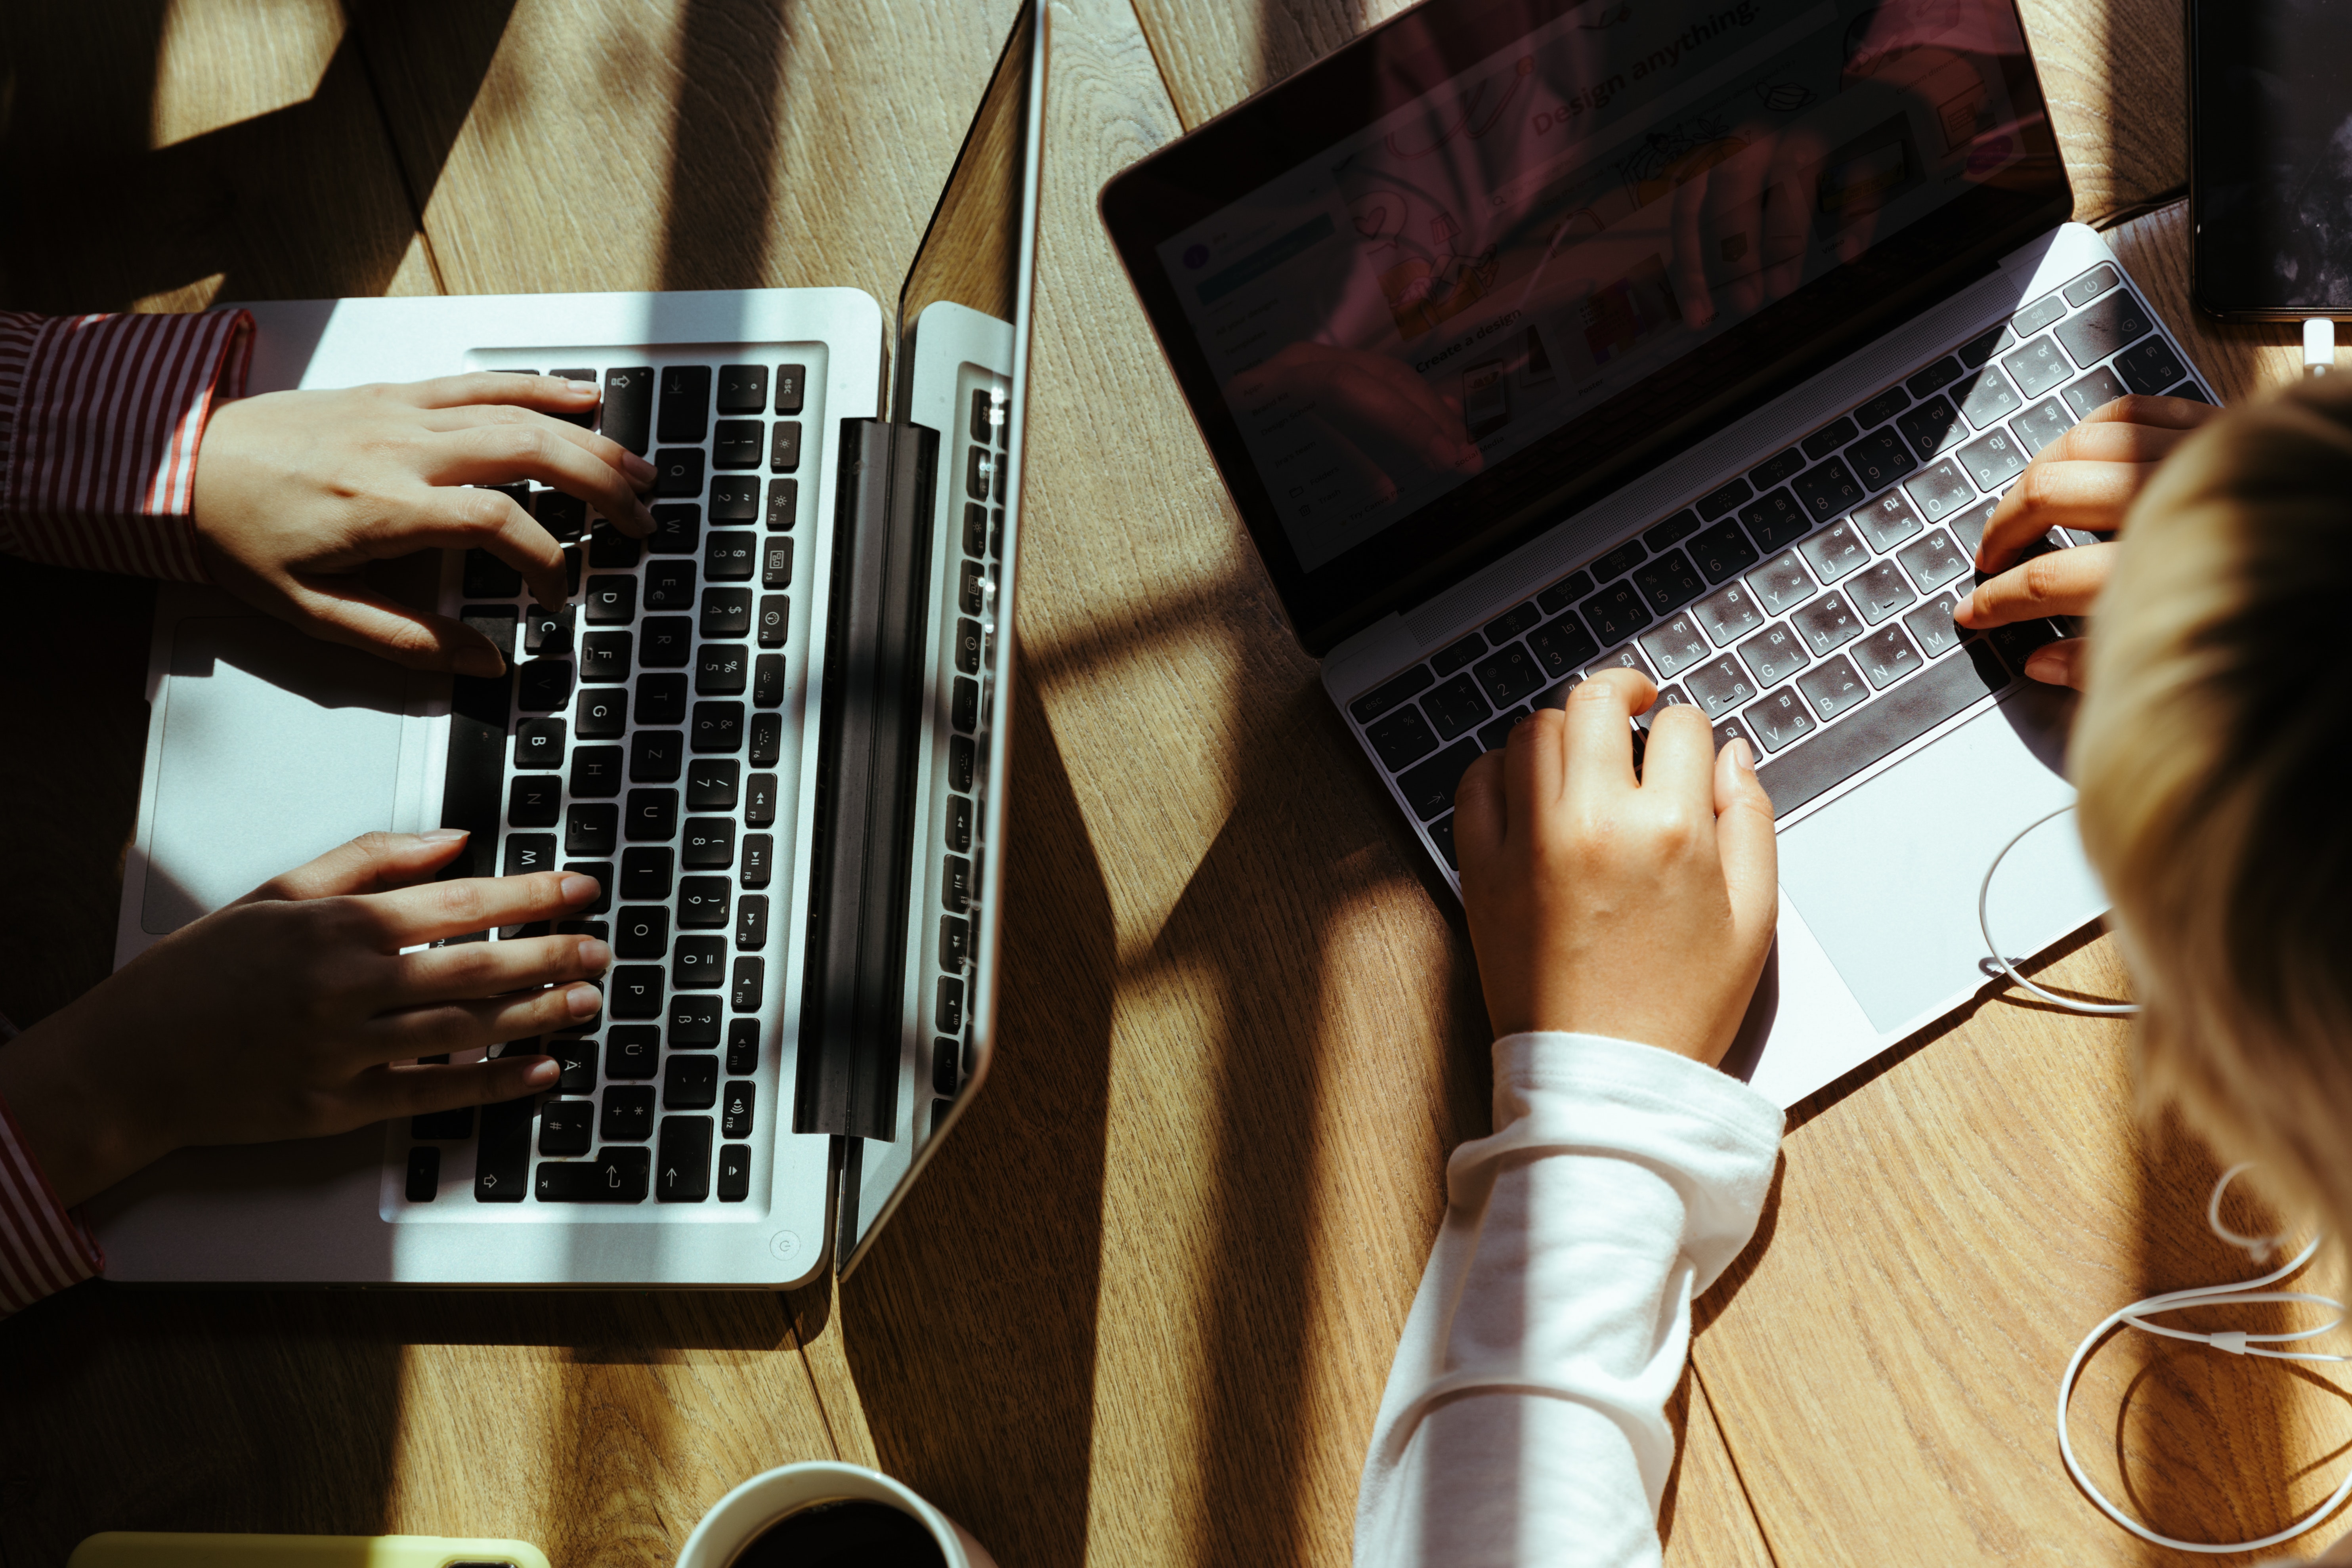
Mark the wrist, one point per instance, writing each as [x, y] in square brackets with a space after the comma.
[84, 1132]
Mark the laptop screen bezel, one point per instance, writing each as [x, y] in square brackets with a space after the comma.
[1478, 523]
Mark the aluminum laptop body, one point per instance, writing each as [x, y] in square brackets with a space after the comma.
[807, 670]
[1537, 339]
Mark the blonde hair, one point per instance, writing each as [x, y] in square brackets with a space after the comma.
[2213, 753]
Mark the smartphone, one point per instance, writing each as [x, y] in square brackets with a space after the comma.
[2270, 190]
[138, 1549]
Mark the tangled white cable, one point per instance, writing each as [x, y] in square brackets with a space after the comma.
[2260, 1250]
[1984, 924]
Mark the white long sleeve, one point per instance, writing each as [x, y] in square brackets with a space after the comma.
[1525, 1418]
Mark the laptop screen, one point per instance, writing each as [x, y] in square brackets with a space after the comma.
[1491, 261]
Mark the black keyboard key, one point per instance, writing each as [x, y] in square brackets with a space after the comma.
[734, 499]
[502, 1155]
[547, 633]
[718, 727]
[1508, 675]
[775, 624]
[1619, 560]
[682, 1163]
[604, 658]
[743, 1046]
[2091, 285]
[712, 784]
[975, 530]
[2115, 321]
[751, 924]
[1455, 707]
[699, 963]
[1903, 715]
[601, 873]
[955, 944]
[775, 566]
[1933, 560]
[567, 1127]
[1993, 460]
[2041, 425]
[1428, 789]
[1492, 737]
[668, 639]
[634, 991]
[759, 800]
[973, 596]
[1564, 592]
[1446, 660]
[708, 844]
[646, 874]
[590, 831]
[487, 577]
[734, 1184]
[1773, 655]
[1669, 581]
[575, 1060]
[1827, 622]
[534, 800]
[947, 1015]
[2017, 641]
[955, 883]
[759, 854]
[704, 903]
[1674, 530]
[1778, 720]
[1883, 407]
[1886, 657]
[742, 389]
[1880, 458]
[565, 517]
[738, 1108]
[1440, 833]
[2038, 367]
[1932, 627]
[1833, 687]
[614, 1176]
[1879, 591]
[641, 930]
[1776, 520]
[2043, 312]
[1829, 439]
[1624, 655]
[1935, 377]
[677, 471]
[963, 705]
[1720, 687]
[1780, 582]
[678, 531]
[423, 1183]
[2191, 390]
[1675, 645]
[449, 1126]
[670, 585]
[655, 756]
[1723, 552]
[2095, 390]
[691, 1082]
[1387, 695]
[632, 1052]
[542, 686]
[792, 382]
[1940, 492]
[1986, 398]
[1977, 349]
[730, 556]
[1716, 503]
[684, 409]
[1729, 615]
[784, 448]
[694, 1015]
[628, 408]
[529, 852]
[1563, 647]
[784, 504]
[721, 670]
[1615, 613]
[2150, 367]
[1512, 622]
[726, 611]
[1776, 470]
[1933, 426]
[962, 756]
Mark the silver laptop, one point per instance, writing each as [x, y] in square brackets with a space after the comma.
[776, 732]
[1534, 338]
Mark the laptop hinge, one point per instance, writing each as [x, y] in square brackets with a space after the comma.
[851, 1016]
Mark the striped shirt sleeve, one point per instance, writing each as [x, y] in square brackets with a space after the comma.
[100, 418]
[44, 1246]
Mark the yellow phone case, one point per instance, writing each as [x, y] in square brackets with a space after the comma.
[174, 1548]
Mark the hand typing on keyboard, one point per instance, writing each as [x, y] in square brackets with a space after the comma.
[1601, 902]
[2086, 480]
[282, 1015]
[297, 491]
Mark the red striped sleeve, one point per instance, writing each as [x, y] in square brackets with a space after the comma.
[44, 1248]
[100, 418]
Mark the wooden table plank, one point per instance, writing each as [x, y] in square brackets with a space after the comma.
[2095, 57]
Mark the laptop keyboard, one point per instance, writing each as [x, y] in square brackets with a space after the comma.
[1807, 605]
[647, 746]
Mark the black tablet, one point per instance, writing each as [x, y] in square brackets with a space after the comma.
[1496, 258]
[2270, 157]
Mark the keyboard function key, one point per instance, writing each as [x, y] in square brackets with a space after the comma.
[1716, 503]
[1977, 349]
[734, 1181]
[791, 383]
[1935, 378]
[1565, 592]
[423, 1183]
[1777, 469]
[2113, 322]
[1454, 657]
[2046, 311]
[1829, 439]
[1512, 622]
[1672, 530]
[784, 448]
[1883, 407]
[1619, 562]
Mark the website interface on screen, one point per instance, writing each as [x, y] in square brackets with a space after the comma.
[1447, 287]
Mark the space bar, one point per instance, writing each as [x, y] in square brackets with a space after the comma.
[1903, 715]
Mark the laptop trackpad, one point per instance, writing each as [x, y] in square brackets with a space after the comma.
[1887, 877]
[276, 747]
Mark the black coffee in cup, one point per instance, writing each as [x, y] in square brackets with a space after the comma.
[847, 1534]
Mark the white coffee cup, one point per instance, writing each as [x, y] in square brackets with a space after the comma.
[743, 1515]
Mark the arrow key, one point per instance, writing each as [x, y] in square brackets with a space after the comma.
[682, 1170]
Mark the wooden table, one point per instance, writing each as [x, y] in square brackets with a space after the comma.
[1141, 1308]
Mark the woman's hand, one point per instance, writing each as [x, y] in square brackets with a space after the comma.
[279, 1016]
[1640, 908]
[296, 491]
[2088, 479]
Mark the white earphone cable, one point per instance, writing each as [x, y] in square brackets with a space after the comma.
[1984, 924]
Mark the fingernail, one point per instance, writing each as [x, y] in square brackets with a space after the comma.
[595, 954]
[443, 835]
[579, 889]
[2043, 666]
[582, 1001]
[543, 1073]
[484, 662]
[578, 388]
[636, 467]
[1741, 754]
